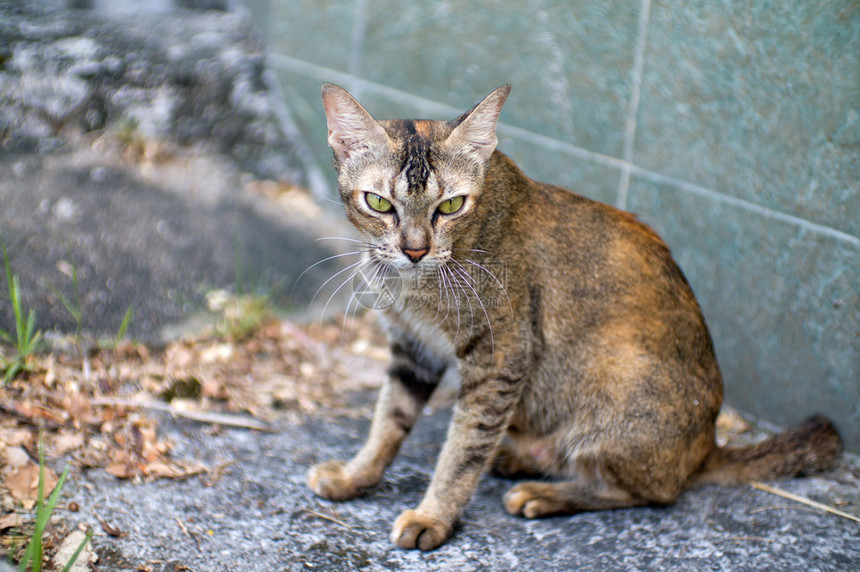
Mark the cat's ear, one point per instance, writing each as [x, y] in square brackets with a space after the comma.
[350, 126]
[476, 129]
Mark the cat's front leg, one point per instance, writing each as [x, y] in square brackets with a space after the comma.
[412, 377]
[481, 417]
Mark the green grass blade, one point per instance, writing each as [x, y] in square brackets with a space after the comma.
[123, 327]
[43, 513]
[34, 547]
[30, 338]
[77, 552]
[74, 311]
[43, 516]
[15, 297]
[35, 341]
[25, 326]
[13, 368]
[28, 555]
[33, 553]
[76, 290]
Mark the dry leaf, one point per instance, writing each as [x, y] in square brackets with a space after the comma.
[23, 483]
[79, 407]
[11, 520]
[16, 457]
[16, 437]
[217, 353]
[159, 469]
[120, 470]
[281, 368]
[179, 356]
[65, 442]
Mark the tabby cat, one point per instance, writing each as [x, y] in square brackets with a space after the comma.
[582, 353]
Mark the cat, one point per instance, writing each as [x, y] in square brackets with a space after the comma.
[582, 353]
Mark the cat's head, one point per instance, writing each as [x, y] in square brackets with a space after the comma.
[411, 186]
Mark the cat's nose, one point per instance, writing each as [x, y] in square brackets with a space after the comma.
[415, 255]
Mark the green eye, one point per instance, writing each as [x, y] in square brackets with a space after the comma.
[451, 205]
[378, 203]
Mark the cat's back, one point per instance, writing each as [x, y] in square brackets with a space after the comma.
[563, 228]
[606, 291]
[595, 264]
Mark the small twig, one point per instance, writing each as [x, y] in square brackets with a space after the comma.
[326, 517]
[42, 420]
[766, 508]
[201, 416]
[182, 526]
[216, 473]
[802, 500]
[746, 538]
[187, 532]
[110, 529]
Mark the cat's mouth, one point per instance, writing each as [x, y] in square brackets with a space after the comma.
[407, 262]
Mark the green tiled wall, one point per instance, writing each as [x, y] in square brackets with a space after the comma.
[769, 93]
[733, 128]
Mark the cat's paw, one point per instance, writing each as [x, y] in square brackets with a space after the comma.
[531, 500]
[414, 529]
[330, 481]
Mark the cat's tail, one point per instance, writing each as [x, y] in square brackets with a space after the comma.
[810, 447]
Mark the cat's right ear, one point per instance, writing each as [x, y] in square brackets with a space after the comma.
[476, 129]
[350, 126]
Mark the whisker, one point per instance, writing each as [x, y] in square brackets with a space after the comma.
[348, 278]
[335, 275]
[468, 276]
[480, 267]
[481, 304]
[440, 276]
[369, 281]
[347, 239]
[494, 277]
[465, 292]
[450, 286]
[439, 297]
[350, 239]
[308, 269]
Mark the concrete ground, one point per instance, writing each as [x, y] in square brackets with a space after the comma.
[260, 516]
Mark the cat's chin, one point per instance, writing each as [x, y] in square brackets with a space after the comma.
[408, 269]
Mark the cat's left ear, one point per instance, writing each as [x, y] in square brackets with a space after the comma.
[476, 129]
[350, 126]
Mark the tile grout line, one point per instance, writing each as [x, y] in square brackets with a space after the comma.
[321, 73]
[318, 183]
[429, 106]
[633, 111]
[557, 145]
[359, 29]
[749, 206]
[354, 83]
